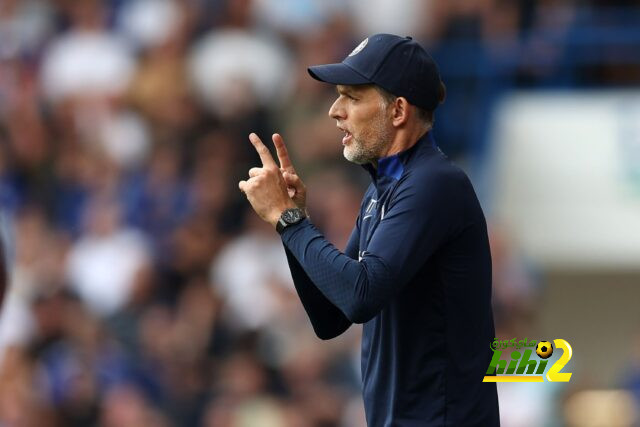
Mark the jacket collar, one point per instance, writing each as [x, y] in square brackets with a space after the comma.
[390, 169]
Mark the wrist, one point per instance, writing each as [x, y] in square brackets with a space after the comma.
[289, 217]
[277, 213]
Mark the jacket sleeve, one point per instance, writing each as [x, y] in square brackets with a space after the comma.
[328, 321]
[418, 220]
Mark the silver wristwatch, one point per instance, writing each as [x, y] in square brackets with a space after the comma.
[289, 217]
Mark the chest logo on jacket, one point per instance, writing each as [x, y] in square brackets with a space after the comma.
[370, 208]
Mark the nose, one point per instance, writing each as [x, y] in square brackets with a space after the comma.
[337, 111]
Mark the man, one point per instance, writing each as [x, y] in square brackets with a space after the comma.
[417, 269]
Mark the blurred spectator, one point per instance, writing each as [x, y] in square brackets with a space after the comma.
[35, 270]
[87, 69]
[252, 268]
[86, 60]
[105, 264]
[156, 199]
[149, 23]
[232, 70]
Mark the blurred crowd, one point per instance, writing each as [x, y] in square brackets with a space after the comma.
[143, 290]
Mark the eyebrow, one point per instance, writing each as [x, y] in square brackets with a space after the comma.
[344, 89]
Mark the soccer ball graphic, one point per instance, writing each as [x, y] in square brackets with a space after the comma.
[544, 349]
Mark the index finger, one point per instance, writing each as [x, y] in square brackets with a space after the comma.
[283, 154]
[263, 151]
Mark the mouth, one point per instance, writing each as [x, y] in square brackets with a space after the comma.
[347, 136]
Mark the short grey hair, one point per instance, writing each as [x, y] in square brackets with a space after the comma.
[424, 115]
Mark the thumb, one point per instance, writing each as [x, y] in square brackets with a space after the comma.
[288, 177]
[292, 179]
[292, 182]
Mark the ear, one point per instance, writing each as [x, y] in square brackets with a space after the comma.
[400, 111]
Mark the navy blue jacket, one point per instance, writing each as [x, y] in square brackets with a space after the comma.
[417, 273]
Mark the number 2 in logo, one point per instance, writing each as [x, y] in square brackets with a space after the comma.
[554, 373]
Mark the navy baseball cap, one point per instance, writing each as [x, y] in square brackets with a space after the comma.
[397, 64]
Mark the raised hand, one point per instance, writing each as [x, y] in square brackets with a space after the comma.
[266, 189]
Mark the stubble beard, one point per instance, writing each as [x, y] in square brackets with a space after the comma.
[371, 143]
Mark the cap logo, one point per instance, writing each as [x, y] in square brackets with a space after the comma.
[359, 47]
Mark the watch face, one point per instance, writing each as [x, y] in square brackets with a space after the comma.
[291, 216]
